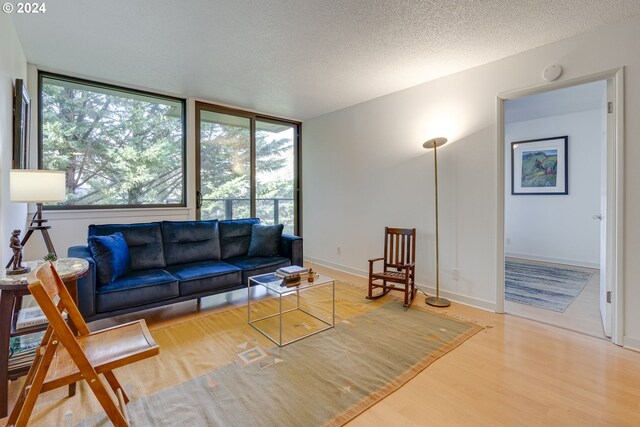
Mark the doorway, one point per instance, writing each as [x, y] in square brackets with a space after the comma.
[559, 151]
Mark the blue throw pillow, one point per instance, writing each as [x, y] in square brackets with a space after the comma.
[111, 255]
[265, 240]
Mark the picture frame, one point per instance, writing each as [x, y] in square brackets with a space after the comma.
[21, 125]
[540, 166]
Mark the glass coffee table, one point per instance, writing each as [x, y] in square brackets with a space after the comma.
[296, 312]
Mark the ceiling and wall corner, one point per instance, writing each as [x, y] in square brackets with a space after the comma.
[13, 65]
[296, 59]
[372, 153]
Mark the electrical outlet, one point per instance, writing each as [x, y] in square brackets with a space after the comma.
[455, 274]
[338, 250]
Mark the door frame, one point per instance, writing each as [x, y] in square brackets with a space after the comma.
[615, 199]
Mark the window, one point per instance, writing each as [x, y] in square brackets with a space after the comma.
[119, 147]
[247, 166]
[275, 173]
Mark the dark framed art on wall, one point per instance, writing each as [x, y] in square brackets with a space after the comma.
[21, 124]
[540, 166]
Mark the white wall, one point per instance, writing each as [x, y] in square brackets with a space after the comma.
[558, 228]
[13, 65]
[364, 167]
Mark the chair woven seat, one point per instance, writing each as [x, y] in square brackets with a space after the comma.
[389, 275]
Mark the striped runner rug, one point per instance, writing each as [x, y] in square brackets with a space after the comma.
[549, 287]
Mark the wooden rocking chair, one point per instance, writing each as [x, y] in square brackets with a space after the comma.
[399, 265]
[64, 358]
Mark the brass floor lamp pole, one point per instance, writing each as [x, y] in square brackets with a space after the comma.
[436, 301]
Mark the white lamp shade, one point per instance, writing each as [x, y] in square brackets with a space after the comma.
[37, 186]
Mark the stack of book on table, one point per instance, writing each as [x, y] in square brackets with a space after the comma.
[292, 274]
[22, 350]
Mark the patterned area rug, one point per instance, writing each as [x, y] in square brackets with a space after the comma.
[326, 379]
[543, 286]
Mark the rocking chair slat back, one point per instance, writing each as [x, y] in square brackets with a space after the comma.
[399, 247]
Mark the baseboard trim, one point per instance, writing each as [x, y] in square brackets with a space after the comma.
[586, 264]
[631, 343]
[339, 267]
[461, 299]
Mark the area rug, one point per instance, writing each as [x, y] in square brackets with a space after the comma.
[217, 370]
[549, 287]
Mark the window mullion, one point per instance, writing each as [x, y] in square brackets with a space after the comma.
[252, 168]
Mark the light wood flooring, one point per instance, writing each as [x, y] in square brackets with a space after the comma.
[582, 315]
[516, 372]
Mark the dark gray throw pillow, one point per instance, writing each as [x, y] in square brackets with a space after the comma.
[265, 240]
[111, 255]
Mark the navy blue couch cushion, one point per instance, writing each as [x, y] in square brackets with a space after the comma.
[205, 276]
[144, 241]
[252, 266]
[136, 288]
[111, 255]
[235, 236]
[190, 241]
[265, 240]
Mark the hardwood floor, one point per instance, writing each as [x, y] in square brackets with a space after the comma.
[582, 315]
[516, 372]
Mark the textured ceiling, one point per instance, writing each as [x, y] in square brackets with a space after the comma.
[295, 58]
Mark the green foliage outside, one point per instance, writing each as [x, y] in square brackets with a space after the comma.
[116, 150]
[225, 173]
[539, 169]
[120, 150]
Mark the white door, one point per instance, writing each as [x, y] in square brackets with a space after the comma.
[606, 188]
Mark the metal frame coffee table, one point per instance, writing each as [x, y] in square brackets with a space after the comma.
[275, 285]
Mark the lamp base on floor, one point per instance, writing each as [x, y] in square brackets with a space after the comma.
[438, 302]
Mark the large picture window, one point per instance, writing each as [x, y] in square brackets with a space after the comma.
[119, 147]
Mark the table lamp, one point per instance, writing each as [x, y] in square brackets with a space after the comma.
[37, 186]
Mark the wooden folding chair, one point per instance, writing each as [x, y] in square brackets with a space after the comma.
[399, 265]
[64, 358]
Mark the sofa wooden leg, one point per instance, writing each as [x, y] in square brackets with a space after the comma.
[198, 301]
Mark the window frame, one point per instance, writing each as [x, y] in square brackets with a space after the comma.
[126, 90]
[255, 117]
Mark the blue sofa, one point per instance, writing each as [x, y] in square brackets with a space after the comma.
[173, 261]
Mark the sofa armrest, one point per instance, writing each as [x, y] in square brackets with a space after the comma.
[86, 284]
[291, 247]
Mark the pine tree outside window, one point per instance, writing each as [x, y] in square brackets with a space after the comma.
[247, 166]
[119, 147]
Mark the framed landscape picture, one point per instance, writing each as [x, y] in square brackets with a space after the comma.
[540, 166]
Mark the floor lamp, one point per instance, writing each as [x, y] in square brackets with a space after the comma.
[37, 186]
[434, 144]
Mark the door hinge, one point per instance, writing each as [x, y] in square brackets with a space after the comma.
[610, 107]
[609, 297]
